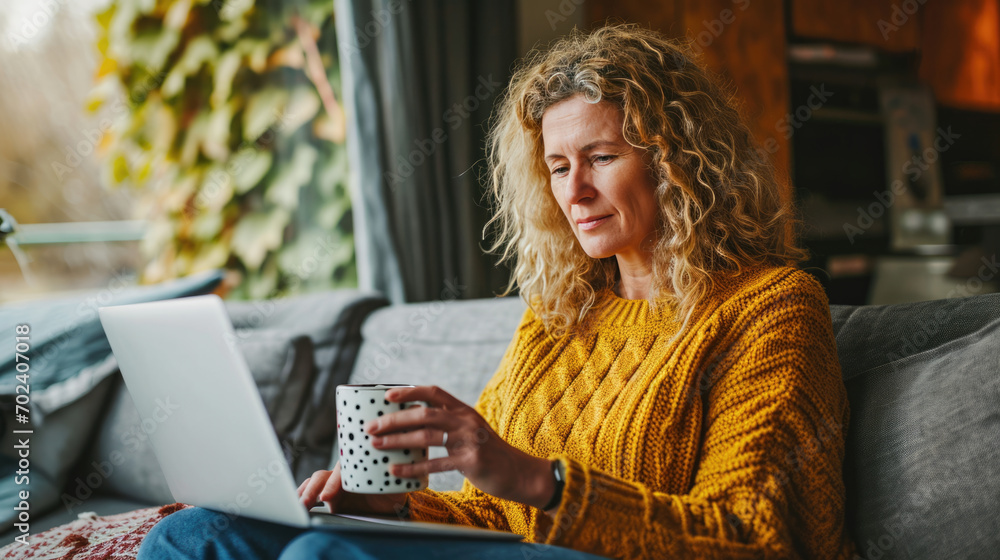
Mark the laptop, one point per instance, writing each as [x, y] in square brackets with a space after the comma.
[213, 437]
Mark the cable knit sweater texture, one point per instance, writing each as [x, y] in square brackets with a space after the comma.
[727, 442]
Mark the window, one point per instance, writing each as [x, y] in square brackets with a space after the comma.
[156, 139]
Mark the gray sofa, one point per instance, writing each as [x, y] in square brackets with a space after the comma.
[923, 463]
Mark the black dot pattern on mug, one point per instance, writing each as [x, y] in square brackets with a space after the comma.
[356, 450]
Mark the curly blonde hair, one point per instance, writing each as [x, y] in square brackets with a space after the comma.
[720, 207]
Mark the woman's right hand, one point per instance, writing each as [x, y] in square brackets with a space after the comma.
[324, 486]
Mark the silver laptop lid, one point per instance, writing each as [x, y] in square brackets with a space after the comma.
[205, 418]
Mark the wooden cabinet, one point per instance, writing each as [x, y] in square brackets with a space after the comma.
[960, 53]
[892, 25]
[958, 40]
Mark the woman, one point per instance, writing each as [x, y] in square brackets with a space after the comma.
[672, 368]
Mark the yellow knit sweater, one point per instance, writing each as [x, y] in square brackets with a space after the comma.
[726, 443]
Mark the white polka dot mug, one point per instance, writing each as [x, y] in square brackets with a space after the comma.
[364, 469]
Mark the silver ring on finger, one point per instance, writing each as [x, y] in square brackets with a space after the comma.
[444, 440]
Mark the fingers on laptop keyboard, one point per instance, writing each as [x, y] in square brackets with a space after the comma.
[314, 488]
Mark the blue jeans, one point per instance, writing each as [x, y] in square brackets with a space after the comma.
[196, 533]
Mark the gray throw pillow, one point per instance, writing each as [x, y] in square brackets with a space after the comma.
[923, 461]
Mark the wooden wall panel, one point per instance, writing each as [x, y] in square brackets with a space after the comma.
[665, 16]
[961, 53]
[893, 25]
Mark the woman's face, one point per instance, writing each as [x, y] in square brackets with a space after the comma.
[601, 182]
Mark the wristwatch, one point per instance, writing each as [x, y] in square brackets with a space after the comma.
[559, 472]
[403, 512]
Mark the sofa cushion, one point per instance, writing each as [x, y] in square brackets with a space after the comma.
[332, 320]
[120, 461]
[922, 466]
[283, 369]
[454, 345]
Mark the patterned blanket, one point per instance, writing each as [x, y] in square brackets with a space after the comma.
[112, 537]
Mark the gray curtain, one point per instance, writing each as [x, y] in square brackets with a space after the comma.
[419, 83]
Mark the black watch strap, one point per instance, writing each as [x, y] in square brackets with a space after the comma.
[560, 476]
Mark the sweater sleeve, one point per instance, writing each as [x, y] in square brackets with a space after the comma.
[768, 483]
[471, 506]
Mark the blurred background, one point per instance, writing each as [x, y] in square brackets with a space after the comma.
[309, 145]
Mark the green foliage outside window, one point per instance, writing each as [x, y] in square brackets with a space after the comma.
[229, 127]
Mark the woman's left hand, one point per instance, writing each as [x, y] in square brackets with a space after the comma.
[474, 449]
